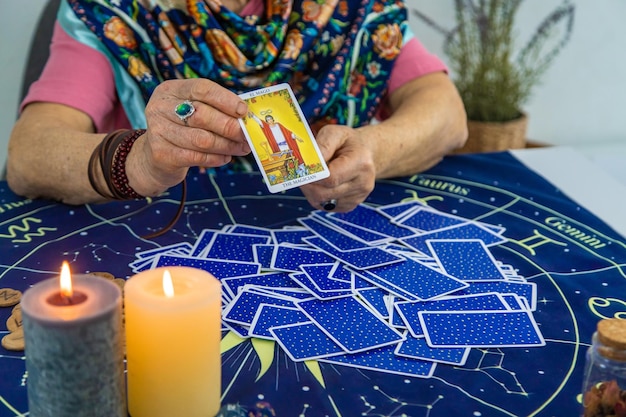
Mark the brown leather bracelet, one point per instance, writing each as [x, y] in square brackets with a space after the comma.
[111, 155]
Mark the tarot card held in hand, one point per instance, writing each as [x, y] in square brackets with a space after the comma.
[281, 139]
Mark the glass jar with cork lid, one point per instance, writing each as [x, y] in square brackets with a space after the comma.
[604, 382]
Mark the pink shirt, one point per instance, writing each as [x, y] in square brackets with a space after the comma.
[78, 76]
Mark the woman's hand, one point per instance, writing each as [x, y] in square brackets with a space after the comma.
[350, 159]
[51, 143]
[427, 120]
[208, 138]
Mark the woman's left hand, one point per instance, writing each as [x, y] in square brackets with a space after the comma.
[427, 120]
[352, 168]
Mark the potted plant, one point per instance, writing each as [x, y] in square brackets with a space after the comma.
[494, 77]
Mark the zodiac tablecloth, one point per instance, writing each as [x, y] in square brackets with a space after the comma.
[574, 258]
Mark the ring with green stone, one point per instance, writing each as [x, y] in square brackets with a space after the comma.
[184, 110]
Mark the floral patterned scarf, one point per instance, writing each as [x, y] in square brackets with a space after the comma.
[336, 54]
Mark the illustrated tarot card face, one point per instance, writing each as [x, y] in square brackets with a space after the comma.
[281, 140]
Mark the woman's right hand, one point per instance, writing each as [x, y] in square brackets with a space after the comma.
[210, 137]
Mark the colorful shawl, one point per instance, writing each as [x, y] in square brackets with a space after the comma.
[336, 54]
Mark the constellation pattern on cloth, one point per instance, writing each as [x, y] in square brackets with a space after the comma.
[579, 279]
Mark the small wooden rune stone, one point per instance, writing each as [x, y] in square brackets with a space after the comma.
[105, 275]
[14, 322]
[9, 297]
[14, 341]
[120, 283]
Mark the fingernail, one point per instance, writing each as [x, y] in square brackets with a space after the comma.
[242, 108]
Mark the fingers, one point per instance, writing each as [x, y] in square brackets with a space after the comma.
[345, 189]
[206, 117]
[195, 123]
[207, 92]
[352, 170]
[216, 109]
[208, 127]
[186, 147]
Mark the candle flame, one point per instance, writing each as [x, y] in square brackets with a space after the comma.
[65, 282]
[168, 286]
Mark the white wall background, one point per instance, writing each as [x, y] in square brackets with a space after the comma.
[17, 23]
[581, 101]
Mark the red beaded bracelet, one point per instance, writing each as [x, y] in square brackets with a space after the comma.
[118, 168]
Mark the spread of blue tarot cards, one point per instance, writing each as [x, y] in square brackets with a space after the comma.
[397, 288]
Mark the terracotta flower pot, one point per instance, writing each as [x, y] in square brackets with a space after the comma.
[495, 136]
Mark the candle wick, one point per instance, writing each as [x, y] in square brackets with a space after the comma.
[60, 299]
[65, 299]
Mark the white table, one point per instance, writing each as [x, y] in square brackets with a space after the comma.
[586, 182]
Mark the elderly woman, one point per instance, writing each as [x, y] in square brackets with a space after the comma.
[135, 93]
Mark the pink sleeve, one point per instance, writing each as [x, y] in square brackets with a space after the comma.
[81, 77]
[78, 76]
[413, 62]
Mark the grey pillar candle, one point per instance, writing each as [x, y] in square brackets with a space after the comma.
[74, 349]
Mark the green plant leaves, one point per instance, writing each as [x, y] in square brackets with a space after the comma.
[494, 80]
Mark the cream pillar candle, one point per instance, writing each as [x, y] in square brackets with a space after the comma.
[173, 343]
